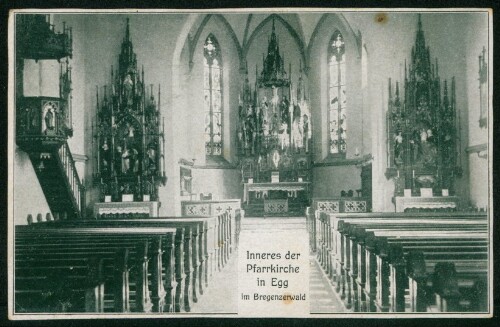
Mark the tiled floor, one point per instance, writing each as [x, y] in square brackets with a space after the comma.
[222, 294]
[323, 298]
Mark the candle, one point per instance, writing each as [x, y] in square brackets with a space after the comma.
[398, 173]
[413, 172]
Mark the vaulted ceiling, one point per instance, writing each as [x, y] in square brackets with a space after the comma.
[245, 27]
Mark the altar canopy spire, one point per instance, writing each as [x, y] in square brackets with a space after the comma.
[127, 59]
[273, 72]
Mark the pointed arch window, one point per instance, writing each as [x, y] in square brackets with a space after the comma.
[337, 122]
[212, 96]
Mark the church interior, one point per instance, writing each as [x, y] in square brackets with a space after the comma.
[145, 143]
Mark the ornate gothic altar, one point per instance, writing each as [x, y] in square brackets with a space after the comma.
[128, 134]
[274, 132]
[423, 127]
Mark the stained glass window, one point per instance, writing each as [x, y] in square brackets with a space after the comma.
[337, 124]
[212, 85]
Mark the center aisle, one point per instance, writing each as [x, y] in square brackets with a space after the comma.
[222, 295]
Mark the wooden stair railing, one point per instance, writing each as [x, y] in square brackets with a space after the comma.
[76, 187]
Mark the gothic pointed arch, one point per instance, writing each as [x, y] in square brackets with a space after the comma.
[199, 31]
[342, 24]
[293, 33]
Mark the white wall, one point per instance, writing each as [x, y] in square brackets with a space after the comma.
[478, 165]
[28, 194]
[222, 183]
[330, 181]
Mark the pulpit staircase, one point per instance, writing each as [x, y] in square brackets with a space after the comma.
[61, 185]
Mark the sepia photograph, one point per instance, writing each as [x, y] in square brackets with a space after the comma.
[263, 162]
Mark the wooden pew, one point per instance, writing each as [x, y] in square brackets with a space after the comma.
[77, 266]
[431, 260]
[326, 225]
[390, 259]
[205, 248]
[349, 264]
[187, 253]
[328, 246]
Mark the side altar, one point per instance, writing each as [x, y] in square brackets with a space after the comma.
[274, 139]
[128, 141]
[423, 135]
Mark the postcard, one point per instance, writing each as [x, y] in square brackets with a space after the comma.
[271, 162]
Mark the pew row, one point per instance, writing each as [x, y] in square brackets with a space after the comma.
[208, 252]
[405, 262]
[78, 269]
[204, 248]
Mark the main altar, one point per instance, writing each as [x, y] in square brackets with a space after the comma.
[274, 139]
[128, 141]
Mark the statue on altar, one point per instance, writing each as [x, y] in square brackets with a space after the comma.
[258, 128]
[241, 127]
[285, 113]
[265, 128]
[276, 159]
[106, 159]
[128, 86]
[249, 132]
[118, 160]
[130, 161]
[275, 99]
[398, 148]
[297, 128]
[424, 150]
[152, 159]
[264, 105]
[428, 149]
[275, 124]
